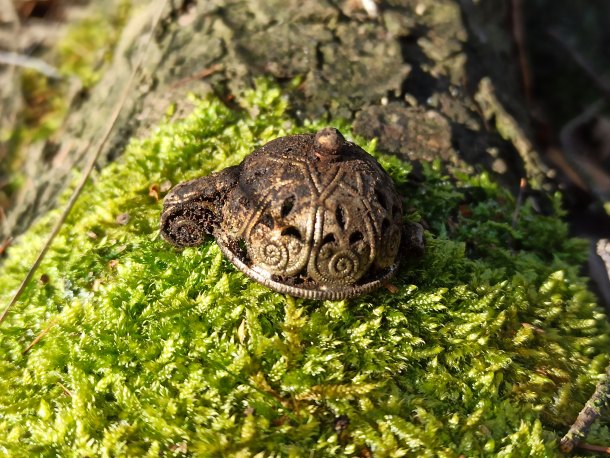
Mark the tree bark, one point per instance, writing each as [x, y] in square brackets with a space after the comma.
[416, 75]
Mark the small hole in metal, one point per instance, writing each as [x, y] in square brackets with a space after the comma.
[287, 206]
[385, 225]
[340, 215]
[267, 220]
[328, 238]
[355, 237]
[292, 231]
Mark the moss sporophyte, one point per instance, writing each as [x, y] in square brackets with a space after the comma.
[490, 344]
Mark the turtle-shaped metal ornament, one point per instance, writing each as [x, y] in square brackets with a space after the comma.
[310, 215]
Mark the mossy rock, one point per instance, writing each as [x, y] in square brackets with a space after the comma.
[490, 345]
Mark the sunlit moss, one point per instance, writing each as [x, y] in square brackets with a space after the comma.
[489, 347]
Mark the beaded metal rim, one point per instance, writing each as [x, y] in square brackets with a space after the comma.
[317, 294]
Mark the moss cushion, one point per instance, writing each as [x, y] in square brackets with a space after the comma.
[489, 345]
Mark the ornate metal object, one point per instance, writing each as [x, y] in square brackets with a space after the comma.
[309, 215]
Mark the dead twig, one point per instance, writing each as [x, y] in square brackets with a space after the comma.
[590, 412]
[199, 75]
[522, 186]
[22, 60]
[580, 60]
[39, 337]
[595, 448]
[5, 244]
[66, 390]
[578, 159]
[95, 153]
[519, 37]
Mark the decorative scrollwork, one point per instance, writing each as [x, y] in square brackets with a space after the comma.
[279, 252]
[389, 245]
[344, 264]
[335, 266]
[273, 254]
[188, 224]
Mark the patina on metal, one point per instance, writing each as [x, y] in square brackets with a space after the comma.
[309, 215]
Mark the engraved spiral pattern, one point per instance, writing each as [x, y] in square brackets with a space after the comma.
[273, 254]
[187, 225]
[187, 231]
[343, 265]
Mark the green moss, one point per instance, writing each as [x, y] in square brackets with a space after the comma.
[489, 347]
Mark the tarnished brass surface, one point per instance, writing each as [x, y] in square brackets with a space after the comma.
[309, 215]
